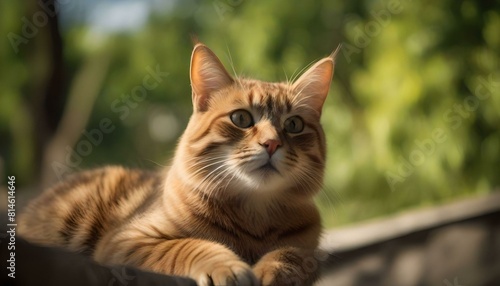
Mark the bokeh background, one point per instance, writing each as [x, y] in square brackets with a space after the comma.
[412, 118]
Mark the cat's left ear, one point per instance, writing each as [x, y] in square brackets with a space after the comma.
[207, 76]
[313, 85]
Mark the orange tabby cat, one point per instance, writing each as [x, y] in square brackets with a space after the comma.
[236, 205]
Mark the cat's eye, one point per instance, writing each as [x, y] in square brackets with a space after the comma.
[294, 124]
[242, 118]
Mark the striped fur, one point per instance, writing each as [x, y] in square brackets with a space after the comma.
[228, 210]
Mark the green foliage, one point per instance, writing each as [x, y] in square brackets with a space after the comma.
[406, 123]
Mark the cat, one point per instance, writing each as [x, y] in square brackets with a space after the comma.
[236, 205]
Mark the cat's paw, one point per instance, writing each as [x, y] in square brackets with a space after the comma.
[275, 273]
[225, 272]
[270, 273]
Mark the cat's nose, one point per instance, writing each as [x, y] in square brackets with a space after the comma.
[271, 145]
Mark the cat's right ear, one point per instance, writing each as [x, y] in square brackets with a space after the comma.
[313, 85]
[207, 76]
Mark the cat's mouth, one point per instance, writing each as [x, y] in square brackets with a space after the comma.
[268, 167]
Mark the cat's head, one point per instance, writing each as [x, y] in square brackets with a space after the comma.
[249, 136]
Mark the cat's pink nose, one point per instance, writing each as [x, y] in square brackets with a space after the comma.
[271, 145]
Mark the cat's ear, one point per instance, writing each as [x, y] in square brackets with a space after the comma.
[207, 75]
[313, 85]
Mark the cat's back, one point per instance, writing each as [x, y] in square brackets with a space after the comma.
[77, 212]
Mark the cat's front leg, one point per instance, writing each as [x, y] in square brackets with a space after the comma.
[206, 262]
[287, 266]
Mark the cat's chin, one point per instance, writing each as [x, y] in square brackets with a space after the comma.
[266, 170]
[264, 179]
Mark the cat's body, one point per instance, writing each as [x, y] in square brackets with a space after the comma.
[236, 205]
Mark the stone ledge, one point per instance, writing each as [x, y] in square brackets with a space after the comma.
[372, 232]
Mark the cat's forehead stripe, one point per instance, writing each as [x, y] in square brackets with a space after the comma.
[270, 99]
[250, 97]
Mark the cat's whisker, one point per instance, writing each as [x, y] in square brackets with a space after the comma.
[224, 180]
[231, 63]
[156, 163]
[301, 71]
[308, 176]
[229, 181]
[299, 97]
[326, 192]
[286, 77]
[212, 161]
[215, 186]
[204, 167]
[197, 161]
[208, 176]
